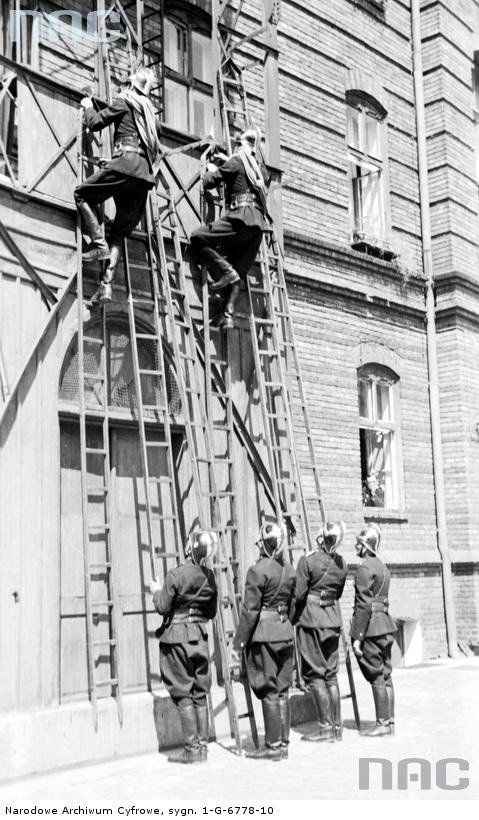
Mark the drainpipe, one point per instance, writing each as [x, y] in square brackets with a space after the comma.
[438, 468]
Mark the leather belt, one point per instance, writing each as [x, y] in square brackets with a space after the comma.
[244, 199]
[324, 600]
[188, 618]
[132, 149]
[278, 613]
[380, 606]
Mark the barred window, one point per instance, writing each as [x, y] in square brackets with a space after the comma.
[378, 395]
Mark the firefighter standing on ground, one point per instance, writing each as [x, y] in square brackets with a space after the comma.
[187, 600]
[266, 636]
[238, 234]
[320, 579]
[372, 628]
[127, 177]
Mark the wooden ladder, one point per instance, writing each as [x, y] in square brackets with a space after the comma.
[211, 496]
[101, 600]
[297, 489]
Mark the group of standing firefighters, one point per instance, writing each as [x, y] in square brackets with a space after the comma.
[277, 598]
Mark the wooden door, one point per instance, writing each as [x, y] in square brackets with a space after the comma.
[138, 647]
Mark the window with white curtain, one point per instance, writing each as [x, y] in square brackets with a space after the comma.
[378, 397]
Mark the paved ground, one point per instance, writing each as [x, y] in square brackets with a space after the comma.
[438, 717]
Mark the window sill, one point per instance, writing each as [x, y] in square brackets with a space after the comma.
[384, 514]
[372, 249]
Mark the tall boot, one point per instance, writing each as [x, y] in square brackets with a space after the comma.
[381, 704]
[99, 245]
[103, 294]
[222, 272]
[325, 729]
[390, 691]
[272, 732]
[226, 321]
[191, 752]
[335, 701]
[203, 728]
[285, 718]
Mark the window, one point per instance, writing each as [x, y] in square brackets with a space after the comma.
[189, 77]
[378, 436]
[121, 381]
[366, 160]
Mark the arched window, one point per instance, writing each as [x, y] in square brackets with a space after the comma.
[378, 399]
[188, 69]
[122, 393]
[367, 162]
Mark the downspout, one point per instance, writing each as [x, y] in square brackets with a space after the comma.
[438, 468]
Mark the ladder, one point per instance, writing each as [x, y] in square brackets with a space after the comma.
[297, 489]
[101, 602]
[210, 496]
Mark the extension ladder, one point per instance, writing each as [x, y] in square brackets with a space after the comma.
[297, 489]
[101, 601]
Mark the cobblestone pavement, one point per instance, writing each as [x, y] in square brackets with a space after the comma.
[437, 717]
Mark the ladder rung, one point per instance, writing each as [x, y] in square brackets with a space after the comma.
[156, 408]
[167, 555]
[281, 447]
[98, 527]
[101, 603]
[139, 266]
[162, 480]
[263, 321]
[98, 490]
[273, 384]
[101, 565]
[93, 340]
[107, 682]
[147, 336]
[158, 517]
[269, 353]
[245, 715]
[147, 372]
[140, 300]
[163, 444]
[258, 290]
[95, 450]
[106, 642]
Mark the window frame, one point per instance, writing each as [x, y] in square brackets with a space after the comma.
[191, 20]
[358, 156]
[375, 373]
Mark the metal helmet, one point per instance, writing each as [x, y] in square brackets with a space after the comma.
[369, 539]
[202, 546]
[330, 535]
[143, 79]
[272, 537]
[251, 136]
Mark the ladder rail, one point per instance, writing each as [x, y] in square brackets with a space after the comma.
[88, 567]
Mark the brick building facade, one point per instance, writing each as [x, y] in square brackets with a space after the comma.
[347, 151]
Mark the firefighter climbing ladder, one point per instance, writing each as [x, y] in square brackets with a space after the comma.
[101, 603]
[296, 477]
[204, 461]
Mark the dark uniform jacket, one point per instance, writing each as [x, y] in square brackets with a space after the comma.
[268, 604]
[320, 579]
[370, 616]
[233, 174]
[188, 599]
[125, 133]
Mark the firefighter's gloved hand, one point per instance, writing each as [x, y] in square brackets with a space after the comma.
[211, 167]
[155, 585]
[86, 102]
[357, 649]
